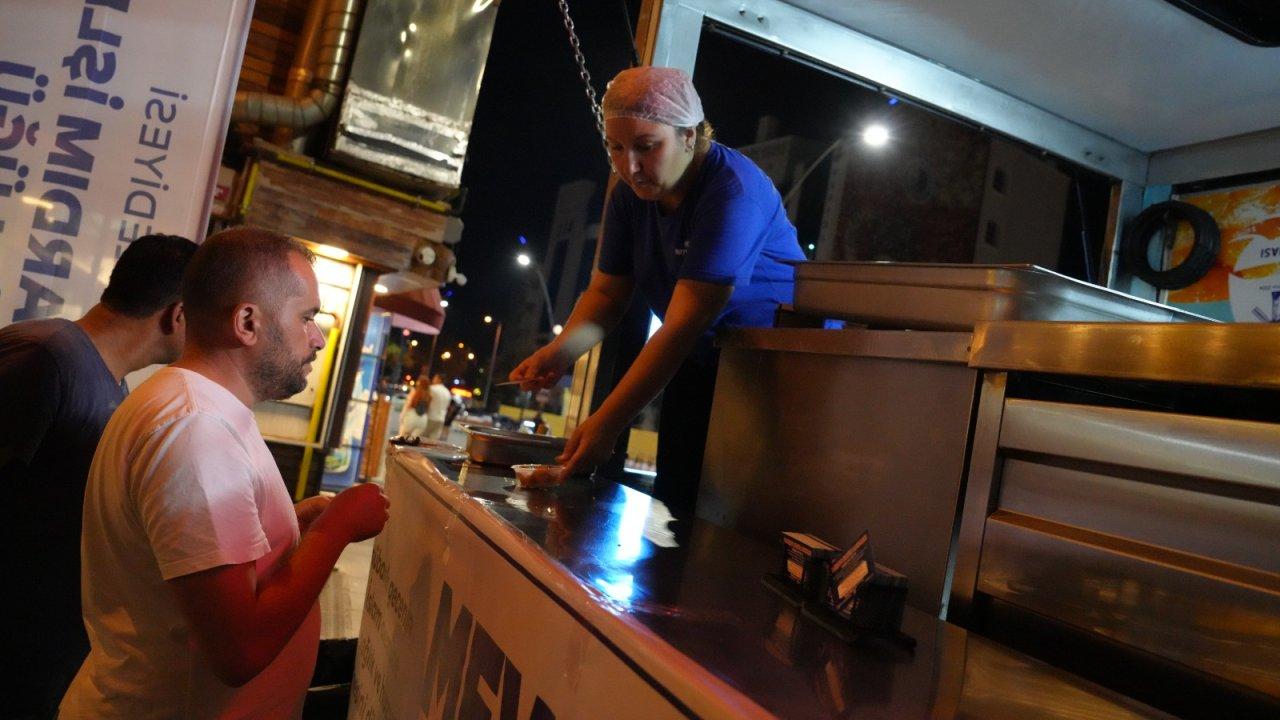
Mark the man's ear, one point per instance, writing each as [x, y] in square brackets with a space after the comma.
[248, 323]
[172, 319]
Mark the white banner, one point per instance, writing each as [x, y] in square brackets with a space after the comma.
[112, 118]
[465, 617]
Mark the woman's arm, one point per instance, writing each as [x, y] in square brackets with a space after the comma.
[694, 307]
[595, 315]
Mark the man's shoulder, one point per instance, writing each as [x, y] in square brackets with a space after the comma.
[50, 337]
[51, 351]
[163, 399]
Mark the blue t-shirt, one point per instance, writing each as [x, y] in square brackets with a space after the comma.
[57, 397]
[731, 229]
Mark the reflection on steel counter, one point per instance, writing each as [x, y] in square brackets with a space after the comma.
[696, 587]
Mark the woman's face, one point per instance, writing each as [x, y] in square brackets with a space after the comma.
[650, 157]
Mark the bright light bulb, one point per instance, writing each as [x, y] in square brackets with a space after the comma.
[471, 356]
[523, 259]
[413, 27]
[557, 329]
[413, 343]
[444, 303]
[875, 135]
[446, 355]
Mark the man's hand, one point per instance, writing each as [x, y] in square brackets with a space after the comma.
[310, 509]
[355, 514]
[591, 444]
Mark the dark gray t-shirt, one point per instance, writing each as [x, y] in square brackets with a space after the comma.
[56, 395]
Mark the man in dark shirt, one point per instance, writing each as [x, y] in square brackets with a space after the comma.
[60, 381]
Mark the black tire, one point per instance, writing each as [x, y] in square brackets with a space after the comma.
[1141, 230]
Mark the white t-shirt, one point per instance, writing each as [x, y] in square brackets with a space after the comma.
[440, 399]
[181, 482]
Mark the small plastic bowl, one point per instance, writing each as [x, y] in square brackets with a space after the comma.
[538, 476]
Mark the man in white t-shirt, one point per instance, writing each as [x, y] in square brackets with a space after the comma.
[200, 576]
[438, 409]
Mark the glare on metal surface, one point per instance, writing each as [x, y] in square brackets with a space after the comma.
[557, 329]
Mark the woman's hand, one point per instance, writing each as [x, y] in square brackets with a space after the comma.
[591, 444]
[543, 369]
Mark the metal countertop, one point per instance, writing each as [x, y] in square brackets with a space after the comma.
[698, 587]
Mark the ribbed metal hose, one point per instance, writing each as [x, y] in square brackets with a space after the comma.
[337, 35]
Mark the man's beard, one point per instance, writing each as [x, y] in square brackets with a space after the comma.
[277, 375]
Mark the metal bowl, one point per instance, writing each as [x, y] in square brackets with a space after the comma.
[492, 446]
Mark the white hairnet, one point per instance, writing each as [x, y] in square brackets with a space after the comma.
[657, 94]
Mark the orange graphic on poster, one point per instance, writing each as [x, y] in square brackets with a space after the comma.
[1248, 263]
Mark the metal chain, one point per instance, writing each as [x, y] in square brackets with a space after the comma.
[582, 71]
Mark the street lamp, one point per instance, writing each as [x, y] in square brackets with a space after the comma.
[493, 357]
[874, 135]
[525, 261]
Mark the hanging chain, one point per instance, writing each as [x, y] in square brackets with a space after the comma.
[582, 71]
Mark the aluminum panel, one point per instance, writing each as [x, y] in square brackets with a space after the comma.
[1177, 606]
[1146, 507]
[957, 297]
[898, 71]
[1235, 354]
[836, 445]
[1243, 453]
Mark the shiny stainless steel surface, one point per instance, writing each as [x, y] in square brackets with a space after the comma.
[697, 586]
[838, 444]
[957, 297]
[1155, 530]
[1237, 354]
[979, 498]
[1177, 606]
[504, 447]
[1242, 453]
[950, 347]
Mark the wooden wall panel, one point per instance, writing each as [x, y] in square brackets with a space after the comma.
[273, 40]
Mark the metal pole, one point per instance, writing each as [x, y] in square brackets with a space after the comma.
[493, 361]
[431, 355]
[546, 296]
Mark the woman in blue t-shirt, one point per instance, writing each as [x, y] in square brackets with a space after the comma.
[700, 231]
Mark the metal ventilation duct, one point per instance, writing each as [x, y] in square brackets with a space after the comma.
[413, 86]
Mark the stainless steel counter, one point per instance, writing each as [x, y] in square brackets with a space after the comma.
[1110, 483]
[834, 432]
[697, 586]
[1235, 355]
